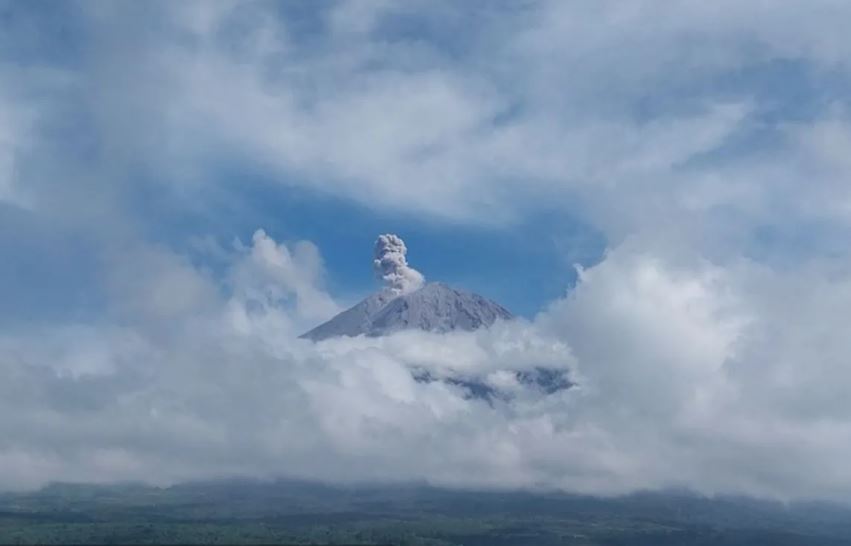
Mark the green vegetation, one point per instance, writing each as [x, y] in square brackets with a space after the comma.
[301, 513]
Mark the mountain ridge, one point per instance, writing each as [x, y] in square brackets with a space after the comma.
[434, 307]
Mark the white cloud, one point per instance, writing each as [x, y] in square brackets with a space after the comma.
[539, 107]
[546, 108]
[689, 374]
[272, 275]
[15, 136]
[695, 366]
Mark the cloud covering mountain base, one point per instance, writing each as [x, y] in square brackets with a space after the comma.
[708, 348]
[687, 374]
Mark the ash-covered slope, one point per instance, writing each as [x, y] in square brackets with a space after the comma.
[353, 321]
[435, 307]
[407, 303]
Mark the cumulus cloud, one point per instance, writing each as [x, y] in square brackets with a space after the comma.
[684, 373]
[230, 387]
[391, 265]
[284, 277]
[706, 349]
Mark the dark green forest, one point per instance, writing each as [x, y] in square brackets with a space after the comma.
[289, 512]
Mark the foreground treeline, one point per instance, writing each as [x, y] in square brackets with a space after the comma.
[302, 513]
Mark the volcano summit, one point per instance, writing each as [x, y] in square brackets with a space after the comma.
[408, 302]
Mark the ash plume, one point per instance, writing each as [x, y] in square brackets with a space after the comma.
[392, 267]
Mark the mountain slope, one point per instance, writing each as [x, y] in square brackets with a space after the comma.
[435, 307]
[354, 321]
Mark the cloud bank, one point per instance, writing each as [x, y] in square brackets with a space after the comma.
[709, 147]
[686, 374]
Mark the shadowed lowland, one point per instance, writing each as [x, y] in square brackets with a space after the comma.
[245, 512]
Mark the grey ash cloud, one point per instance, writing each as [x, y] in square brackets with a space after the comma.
[391, 265]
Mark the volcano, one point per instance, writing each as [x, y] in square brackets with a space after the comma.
[407, 302]
[435, 307]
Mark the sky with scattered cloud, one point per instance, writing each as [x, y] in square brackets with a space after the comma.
[660, 192]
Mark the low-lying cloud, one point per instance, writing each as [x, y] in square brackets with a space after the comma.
[684, 374]
[708, 349]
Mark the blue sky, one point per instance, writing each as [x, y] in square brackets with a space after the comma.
[512, 264]
[524, 263]
[661, 192]
[518, 247]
